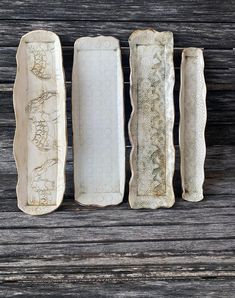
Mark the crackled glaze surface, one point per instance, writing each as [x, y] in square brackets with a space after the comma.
[98, 121]
[151, 123]
[40, 137]
[192, 124]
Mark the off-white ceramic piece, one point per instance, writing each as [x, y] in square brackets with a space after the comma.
[151, 124]
[98, 121]
[192, 124]
[40, 136]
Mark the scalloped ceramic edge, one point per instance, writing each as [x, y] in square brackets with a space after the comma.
[40, 139]
[192, 124]
[152, 164]
[98, 122]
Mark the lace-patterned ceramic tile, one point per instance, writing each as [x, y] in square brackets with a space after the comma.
[152, 118]
[98, 121]
[192, 124]
[40, 137]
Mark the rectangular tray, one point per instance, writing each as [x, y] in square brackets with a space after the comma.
[40, 136]
[98, 121]
[192, 124]
[151, 123]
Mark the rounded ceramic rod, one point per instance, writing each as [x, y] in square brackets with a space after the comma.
[192, 124]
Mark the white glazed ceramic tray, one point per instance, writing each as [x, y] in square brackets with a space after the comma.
[98, 121]
[40, 136]
[151, 123]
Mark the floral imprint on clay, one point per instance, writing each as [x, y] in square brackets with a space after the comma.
[43, 185]
[40, 60]
[152, 132]
[44, 124]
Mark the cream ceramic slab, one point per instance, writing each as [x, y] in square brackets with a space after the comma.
[192, 124]
[40, 136]
[151, 124]
[98, 121]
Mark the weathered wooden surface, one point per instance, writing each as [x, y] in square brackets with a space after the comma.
[196, 34]
[163, 10]
[127, 288]
[187, 251]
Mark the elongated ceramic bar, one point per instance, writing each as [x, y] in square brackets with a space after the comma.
[192, 124]
[98, 121]
[151, 124]
[40, 136]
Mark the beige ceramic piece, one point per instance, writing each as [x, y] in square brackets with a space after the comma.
[98, 121]
[40, 136]
[151, 125]
[192, 124]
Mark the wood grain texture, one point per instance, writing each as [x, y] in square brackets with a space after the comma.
[163, 10]
[154, 250]
[185, 34]
[126, 288]
[194, 255]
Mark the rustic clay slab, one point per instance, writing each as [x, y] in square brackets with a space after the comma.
[40, 136]
[151, 124]
[98, 121]
[192, 124]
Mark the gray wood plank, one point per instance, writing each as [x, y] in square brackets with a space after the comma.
[185, 34]
[163, 10]
[77, 273]
[133, 250]
[115, 217]
[113, 234]
[155, 249]
[99, 288]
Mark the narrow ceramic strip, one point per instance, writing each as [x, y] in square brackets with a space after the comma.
[40, 136]
[151, 124]
[192, 124]
[98, 121]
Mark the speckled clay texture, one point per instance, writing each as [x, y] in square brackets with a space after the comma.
[98, 121]
[192, 124]
[151, 123]
[40, 138]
